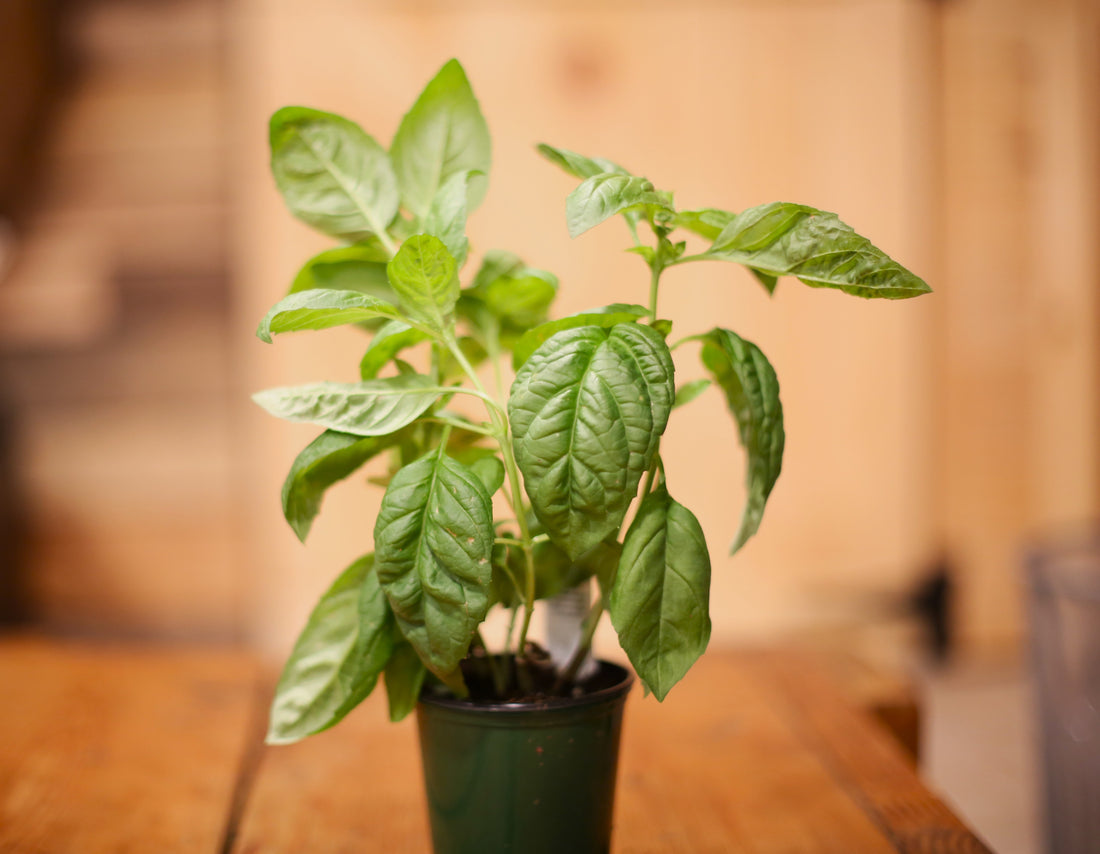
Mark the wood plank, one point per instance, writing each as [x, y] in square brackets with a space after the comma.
[109, 750]
[748, 754]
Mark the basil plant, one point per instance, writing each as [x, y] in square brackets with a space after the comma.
[568, 449]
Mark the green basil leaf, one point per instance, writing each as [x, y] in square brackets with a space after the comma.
[322, 309]
[521, 299]
[433, 541]
[329, 458]
[602, 196]
[446, 218]
[337, 658]
[425, 277]
[332, 174]
[706, 222]
[444, 133]
[387, 342]
[578, 165]
[752, 392]
[359, 267]
[535, 338]
[404, 677]
[587, 411]
[783, 239]
[490, 471]
[496, 264]
[660, 600]
[686, 393]
[370, 408]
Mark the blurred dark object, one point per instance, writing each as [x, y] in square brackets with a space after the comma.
[931, 602]
[1064, 581]
[28, 76]
[13, 599]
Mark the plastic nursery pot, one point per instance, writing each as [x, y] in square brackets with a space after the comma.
[524, 778]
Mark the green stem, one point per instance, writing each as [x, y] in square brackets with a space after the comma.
[511, 469]
[654, 281]
[458, 424]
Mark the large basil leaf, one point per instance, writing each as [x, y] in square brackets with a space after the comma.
[602, 196]
[587, 410]
[446, 218]
[660, 599]
[332, 174]
[578, 165]
[337, 658]
[387, 342]
[322, 309]
[784, 239]
[404, 677]
[425, 276]
[369, 408]
[329, 458]
[359, 267]
[535, 338]
[433, 541]
[444, 133]
[752, 392]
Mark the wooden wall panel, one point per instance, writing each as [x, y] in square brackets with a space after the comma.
[698, 99]
[1019, 304]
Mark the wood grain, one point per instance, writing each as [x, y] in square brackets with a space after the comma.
[752, 752]
[108, 750]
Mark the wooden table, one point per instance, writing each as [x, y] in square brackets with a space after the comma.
[115, 749]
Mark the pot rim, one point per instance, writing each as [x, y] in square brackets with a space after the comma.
[611, 693]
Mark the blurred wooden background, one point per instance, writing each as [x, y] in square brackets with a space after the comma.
[960, 136]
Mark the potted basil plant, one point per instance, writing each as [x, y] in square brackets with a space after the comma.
[498, 495]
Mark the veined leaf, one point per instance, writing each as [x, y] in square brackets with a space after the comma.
[587, 410]
[322, 309]
[446, 218]
[535, 338]
[686, 393]
[329, 458]
[709, 223]
[332, 174]
[706, 222]
[444, 133]
[783, 239]
[425, 276]
[369, 408]
[752, 392]
[602, 196]
[660, 600]
[387, 342]
[433, 540]
[404, 678]
[578, 165]
[359, 267]
[337, 658]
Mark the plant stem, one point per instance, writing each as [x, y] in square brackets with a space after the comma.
[654, 281]
[511, 469]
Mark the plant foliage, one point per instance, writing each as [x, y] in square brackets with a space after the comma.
[569, 449]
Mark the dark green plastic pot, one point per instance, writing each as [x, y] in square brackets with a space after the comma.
[522, 778]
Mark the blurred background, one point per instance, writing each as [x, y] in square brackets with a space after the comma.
[929, 442]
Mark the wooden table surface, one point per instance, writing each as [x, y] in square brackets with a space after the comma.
[119, 749]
